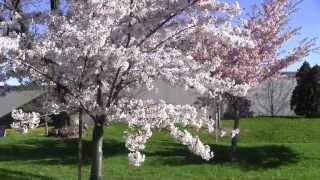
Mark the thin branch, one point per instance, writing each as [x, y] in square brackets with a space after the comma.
[172, 36]
[129, 25]
[178, 12]
[113, 86]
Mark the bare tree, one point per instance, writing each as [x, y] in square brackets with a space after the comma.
[272, 97]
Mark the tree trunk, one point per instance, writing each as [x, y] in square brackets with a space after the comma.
[234, 139]
[216, 120]
[219, 115]
[54, 4]
[97, 156]
[80, 145]
[46, 129]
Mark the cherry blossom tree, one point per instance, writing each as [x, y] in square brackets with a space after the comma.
[102, 50]
[247, 66]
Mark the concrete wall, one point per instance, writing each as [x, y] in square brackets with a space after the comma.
[258, 96]
[14, 99]
[277, 92]
[172, 95]
[176, 95]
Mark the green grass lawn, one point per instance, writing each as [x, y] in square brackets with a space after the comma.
[277, 148]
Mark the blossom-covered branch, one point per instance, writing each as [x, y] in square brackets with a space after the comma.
[24, 121]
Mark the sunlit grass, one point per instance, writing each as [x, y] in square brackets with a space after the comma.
[269, 148]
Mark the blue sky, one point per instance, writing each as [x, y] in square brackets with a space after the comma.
[307, 17]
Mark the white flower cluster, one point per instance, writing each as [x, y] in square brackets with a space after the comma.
[194, 144]
[8, 44]
[24, 121]
[159, 114]
[154, 115]
[223, 133]
[136, 158]
[135, 143]
[235, 132]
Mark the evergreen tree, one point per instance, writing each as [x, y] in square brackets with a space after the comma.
[306, 95]
[315, 99]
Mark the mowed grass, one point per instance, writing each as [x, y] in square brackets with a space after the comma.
[269, 148]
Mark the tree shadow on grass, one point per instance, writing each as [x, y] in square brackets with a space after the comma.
[249, 157]
[52, 151]
[18, 175]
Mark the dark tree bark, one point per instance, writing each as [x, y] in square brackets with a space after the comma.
[61, 120]
[54, 4]
[219, 108]
[46, 128]
[234, 139]
[235, 102]
[80, 145]
[97, 154]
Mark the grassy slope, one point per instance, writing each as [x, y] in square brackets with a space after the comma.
[269, 149]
